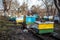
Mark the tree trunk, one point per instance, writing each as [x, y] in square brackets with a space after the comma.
[5, 7]
[55, 2]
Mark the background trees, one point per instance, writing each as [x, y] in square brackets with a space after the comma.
[10, 5]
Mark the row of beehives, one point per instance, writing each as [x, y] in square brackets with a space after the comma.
[43, 27]
[44, 18]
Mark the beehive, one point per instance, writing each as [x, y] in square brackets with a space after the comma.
[46, 18]
[50, 17]
[30, 19]
[20, 19]
[12, 18]
[46, 27]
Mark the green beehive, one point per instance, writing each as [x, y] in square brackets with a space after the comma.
[12, 18]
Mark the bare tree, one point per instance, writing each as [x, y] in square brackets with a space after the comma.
[6, 4]
[48, 4]
[14, 7]
[57, 4]
[10, 5]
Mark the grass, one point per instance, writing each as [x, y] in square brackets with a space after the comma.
[5, 24]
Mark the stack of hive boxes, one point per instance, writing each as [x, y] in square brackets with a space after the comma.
[46, 27]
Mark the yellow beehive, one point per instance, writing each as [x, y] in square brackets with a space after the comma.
[20, 18]
[19, 21]
[46, 26]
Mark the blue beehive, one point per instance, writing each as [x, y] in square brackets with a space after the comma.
[30, 19]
